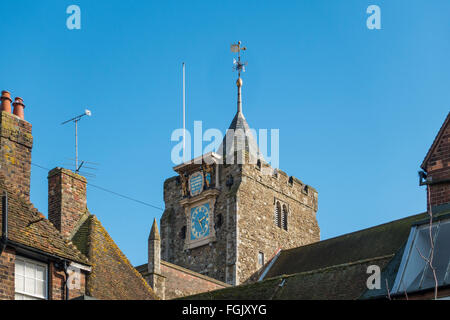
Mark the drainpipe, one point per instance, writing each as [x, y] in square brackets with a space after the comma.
[4, 239]
[66, 284]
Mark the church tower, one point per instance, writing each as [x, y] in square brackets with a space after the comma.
[228, 213]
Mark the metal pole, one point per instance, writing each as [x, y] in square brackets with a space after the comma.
[76, 145]
[184, 113]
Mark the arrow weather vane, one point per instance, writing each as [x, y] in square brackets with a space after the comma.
[238, 65]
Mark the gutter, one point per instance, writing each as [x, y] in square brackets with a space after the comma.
[425, 180]
[4, 239]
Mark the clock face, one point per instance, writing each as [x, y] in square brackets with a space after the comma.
[200, 221]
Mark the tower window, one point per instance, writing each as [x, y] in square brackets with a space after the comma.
[260, 259]
[277, 214]
[284, 218]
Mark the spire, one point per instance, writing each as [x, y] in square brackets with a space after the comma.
[154, 233]
[242, 136]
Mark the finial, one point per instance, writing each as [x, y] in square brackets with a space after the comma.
[239, 82]
[154, 233]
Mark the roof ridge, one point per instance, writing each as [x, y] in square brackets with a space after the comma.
[336, 266]
[355, 232]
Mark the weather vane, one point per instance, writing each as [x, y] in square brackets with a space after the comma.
[238, 65]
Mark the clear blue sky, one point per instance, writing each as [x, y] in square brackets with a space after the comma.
[357, 109]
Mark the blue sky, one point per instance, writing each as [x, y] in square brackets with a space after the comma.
[357, 109]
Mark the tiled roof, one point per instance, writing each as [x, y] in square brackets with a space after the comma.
[28, 227]
[378, 241]
[112, 277]
[330, 269]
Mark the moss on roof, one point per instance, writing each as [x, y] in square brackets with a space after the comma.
[382, 240]
[28, 227]
[112, 277]
[331, 269]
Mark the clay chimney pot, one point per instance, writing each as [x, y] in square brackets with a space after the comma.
[18, 107]
[6, 101]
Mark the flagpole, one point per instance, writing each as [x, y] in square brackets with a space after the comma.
[184, 113]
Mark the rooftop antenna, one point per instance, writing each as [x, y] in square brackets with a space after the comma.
[238, 66]
[75, 120]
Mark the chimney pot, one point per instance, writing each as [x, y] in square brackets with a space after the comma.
[6, 101]
[18, 107]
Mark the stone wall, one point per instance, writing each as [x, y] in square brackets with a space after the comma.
[217, 259]
[258, 231]
[244, 221]
[16, 143]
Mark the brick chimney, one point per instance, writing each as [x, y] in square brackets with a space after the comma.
[66, 199]
[436, 168]
[16, 143]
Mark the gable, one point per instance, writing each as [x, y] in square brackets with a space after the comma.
[443, 137]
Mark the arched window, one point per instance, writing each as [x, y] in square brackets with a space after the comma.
[284, 218]
[277, 215]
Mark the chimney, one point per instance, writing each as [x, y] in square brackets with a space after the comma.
[18, 107]
[6, 101]
[66, 199]
[16, 143]
[436, 166]
[155, 279]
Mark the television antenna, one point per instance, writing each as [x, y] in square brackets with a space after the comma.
[75, 120]
[239, 66]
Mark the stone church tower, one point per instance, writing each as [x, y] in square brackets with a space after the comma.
[227, 220]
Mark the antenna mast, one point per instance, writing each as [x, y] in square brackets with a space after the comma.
[75, 120]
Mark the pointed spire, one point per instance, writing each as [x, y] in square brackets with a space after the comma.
[154, 233]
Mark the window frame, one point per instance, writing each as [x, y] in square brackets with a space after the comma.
[46, 278]
[398, 286]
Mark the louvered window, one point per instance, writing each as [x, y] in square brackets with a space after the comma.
[277, 214]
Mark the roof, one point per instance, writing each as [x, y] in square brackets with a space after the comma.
[112, 277]
[28, 227]
[331, 269]
[342, 282]
[436, 141]
[243, 137]
[385, 239]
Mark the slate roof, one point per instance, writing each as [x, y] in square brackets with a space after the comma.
[112, 277]
[28, 227]
[331, 269]
[243, 139]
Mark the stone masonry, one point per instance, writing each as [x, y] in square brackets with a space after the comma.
[244, 222]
